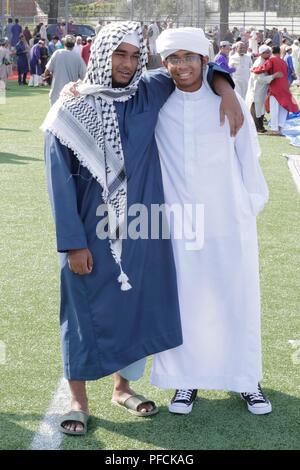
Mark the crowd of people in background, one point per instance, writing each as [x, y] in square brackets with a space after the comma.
[246, 54]
[30, 51]
[263, 67]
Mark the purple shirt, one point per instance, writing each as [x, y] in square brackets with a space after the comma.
[222, 61]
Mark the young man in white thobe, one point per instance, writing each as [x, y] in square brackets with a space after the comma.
[218, 283]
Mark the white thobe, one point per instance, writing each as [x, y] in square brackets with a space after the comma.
[211, 52]
[258, 89]
[78, 49]
[43, 33]
[242, 64]
[218, 285]
[253, 44]
[295, 57]
[4, 69]
[152, 39]
[278, 115]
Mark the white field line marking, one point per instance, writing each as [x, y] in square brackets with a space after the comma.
[48, 436]
[294, 166]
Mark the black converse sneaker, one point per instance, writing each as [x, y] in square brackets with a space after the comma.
[182, 401]
[257, 402]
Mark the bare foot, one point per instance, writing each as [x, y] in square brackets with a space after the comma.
[79, 403]
[76, 426]
[122, 392]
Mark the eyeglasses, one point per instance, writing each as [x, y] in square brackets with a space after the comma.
[187, 60]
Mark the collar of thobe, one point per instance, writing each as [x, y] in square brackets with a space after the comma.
[190, 96]
[194, 95]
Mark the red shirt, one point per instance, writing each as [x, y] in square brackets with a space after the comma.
[85, 52]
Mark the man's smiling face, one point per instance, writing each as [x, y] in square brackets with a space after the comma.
[125, 61]
[186, 69]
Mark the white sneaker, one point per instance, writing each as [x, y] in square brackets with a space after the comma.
[182, 401]
[257, 402]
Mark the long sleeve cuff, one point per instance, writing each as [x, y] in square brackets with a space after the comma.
[65, 244]
[214, 68]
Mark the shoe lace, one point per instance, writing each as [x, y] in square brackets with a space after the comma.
[183, 394]
[257, 395]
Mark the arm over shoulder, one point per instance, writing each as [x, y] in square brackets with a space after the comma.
[159, 86]
[215, 69]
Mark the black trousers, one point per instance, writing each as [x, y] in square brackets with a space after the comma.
[259, 122]
[22, 78]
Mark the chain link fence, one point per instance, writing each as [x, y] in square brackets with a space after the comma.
[181, 13]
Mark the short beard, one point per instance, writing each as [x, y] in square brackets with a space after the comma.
[119, 85]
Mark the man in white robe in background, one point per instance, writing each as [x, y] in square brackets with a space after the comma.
[295, 57]
[253, 42]
[153, 33]
[242, 63]
[218, 283]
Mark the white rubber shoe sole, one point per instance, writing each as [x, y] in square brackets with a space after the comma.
[260, 409]
[180, 408]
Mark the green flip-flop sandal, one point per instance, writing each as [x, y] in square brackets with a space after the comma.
[132, 404]
[74, 416]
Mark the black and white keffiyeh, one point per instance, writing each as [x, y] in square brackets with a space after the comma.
[88, 125]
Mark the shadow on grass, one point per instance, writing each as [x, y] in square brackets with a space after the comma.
[214, 424]
[12, 159]
[14, 434]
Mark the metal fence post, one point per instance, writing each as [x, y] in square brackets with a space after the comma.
[2, 17]
[265, 18]
[67, 15]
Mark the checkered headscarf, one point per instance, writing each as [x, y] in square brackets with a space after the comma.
[89, 126]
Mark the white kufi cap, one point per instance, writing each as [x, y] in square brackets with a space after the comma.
[185, 39]
[133, 39]
[264, 48]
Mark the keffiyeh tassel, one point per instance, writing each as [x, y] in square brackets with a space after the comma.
[123, 279]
